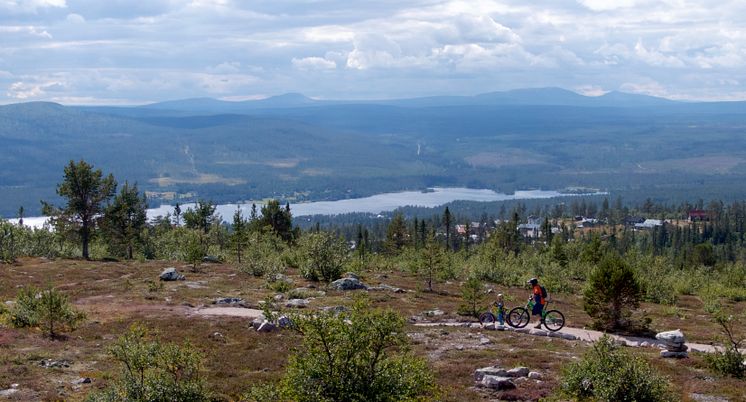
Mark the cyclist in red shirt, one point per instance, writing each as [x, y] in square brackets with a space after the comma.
[538, 295]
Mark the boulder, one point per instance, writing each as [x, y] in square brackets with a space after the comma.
[335, 309]
[297, 303]
[484, 341]
[671, 336]
[49, 363]
[229, 300]
[284, 322]
[534, 375]
[257, 322]
[675, 355]
[211, 259]
[434, 313]
[266, 326]
[171, 274]
[280, 278]
[518, 372]
[497, 383]
[347, 284]
[384, 287]
[7, 393]
[493, 371]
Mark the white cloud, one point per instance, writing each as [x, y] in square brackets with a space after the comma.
[28, 29]
[232, 49]
[607, 5]
[30, 6]
[75, 18]
[313, 63]
[656, 58]
[31, 90]
[228, 67]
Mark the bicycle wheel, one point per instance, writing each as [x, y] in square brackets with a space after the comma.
[554, 320]
[487, 318]
[518, 317]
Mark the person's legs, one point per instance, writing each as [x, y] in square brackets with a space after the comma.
[536, 312]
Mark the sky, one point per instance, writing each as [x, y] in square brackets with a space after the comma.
[135, 52]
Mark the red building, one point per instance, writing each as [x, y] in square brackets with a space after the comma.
[698, 215]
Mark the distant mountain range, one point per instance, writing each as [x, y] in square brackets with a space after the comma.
[536, 96]
[297, 148]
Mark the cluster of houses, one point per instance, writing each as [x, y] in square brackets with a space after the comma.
[533, 227]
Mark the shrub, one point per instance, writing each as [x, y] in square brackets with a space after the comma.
[728, 362]
[607, 373]
[323, 256]
[473, 295]
[360, 355]
[611, 293]
[731, 361]
[9, 239]
[262, 257]
[152, 371]
[49, 309]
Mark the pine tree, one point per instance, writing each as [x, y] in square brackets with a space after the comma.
[430, 261]
[124, 220]
[202, 216]
[611, 293]
[277, 220]
[86, 191]
[20, 216]
[238, 237]
[397, 235]
[447, 222]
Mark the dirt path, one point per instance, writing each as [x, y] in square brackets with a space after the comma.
[568, 333]
[229, 311]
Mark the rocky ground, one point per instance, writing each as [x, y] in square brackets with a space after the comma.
[214, 310]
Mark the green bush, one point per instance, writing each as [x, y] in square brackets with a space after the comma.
[48, 309]
[152, 371]
[323, 256]
[360, 355]
[731, 361]
[607, 373]
[263, 256]
[728, 362]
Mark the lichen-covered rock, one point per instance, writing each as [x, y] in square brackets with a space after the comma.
[229, 301]
[284, 322]
[297, 303]
[266, 326]
[675, 336]
[493, 371]
[497, 383]
[347, 284]
[171, 274]
[518, 372]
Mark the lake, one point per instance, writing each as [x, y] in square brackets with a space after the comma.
[374, 204]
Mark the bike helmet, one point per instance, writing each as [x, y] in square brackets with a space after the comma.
[533, 281]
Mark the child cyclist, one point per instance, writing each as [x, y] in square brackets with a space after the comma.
[538, 294]
[500, 310]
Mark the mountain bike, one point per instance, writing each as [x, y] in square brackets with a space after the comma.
[519, 317]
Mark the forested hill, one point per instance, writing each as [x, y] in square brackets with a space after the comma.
[297, 148]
